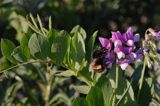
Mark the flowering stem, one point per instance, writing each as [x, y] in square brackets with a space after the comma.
[141, 79]
[25, 63]
[116, 77]
[113, 99]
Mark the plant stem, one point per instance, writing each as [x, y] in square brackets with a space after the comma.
[124, 94]
[47, 85]
[116, 87]
[47, 94]
[25, 63]
[141, 79]
[116, 77]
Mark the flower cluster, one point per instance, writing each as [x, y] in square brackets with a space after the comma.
[121, 49]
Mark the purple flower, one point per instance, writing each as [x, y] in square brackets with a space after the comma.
[117, 39]
[130, 38]
[124, 52]
[153, 32]
[109, 59]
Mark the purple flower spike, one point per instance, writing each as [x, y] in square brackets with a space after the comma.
[105, 43]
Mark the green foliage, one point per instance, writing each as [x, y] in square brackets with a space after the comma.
[80, 30]
[18, 55]
[106, 88]
[90, 46]
[43, 65]
[38, 46]
[80, 102]
[7, 48]
[59, 42]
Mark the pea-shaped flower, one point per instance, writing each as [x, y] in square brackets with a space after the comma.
[120, 49]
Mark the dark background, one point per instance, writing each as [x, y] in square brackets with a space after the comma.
[102, 15]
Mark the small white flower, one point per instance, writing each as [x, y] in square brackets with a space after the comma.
[120, 55]
[117, 43]
[130, 42]
[123, 66]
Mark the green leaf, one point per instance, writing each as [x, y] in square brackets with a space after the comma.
[18, 55]
[145, 94]
[121, 93]
[77, 51]
[106, 88]
[40, 24]
[7, 48]
[33, 21]
[90, 46]
[24, 45]
[127, 98]
[3, 63]
[95, 97]
[66, 73]
[80, 30]
[39, 46]
[80, 102]
[84, 89]
[59, 43]
[85, 76]
[136, 76]
[60, 98]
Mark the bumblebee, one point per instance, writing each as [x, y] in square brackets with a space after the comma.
[97, 64]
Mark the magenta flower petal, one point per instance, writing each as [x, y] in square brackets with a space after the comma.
[118, 49]
[117, 36]
[105, 43]
[129, 37]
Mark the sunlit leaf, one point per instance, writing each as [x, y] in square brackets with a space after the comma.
[59, 43]
[39, 46]
[84, 89]
[66, 73]
[24, 45]
[80, 30]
